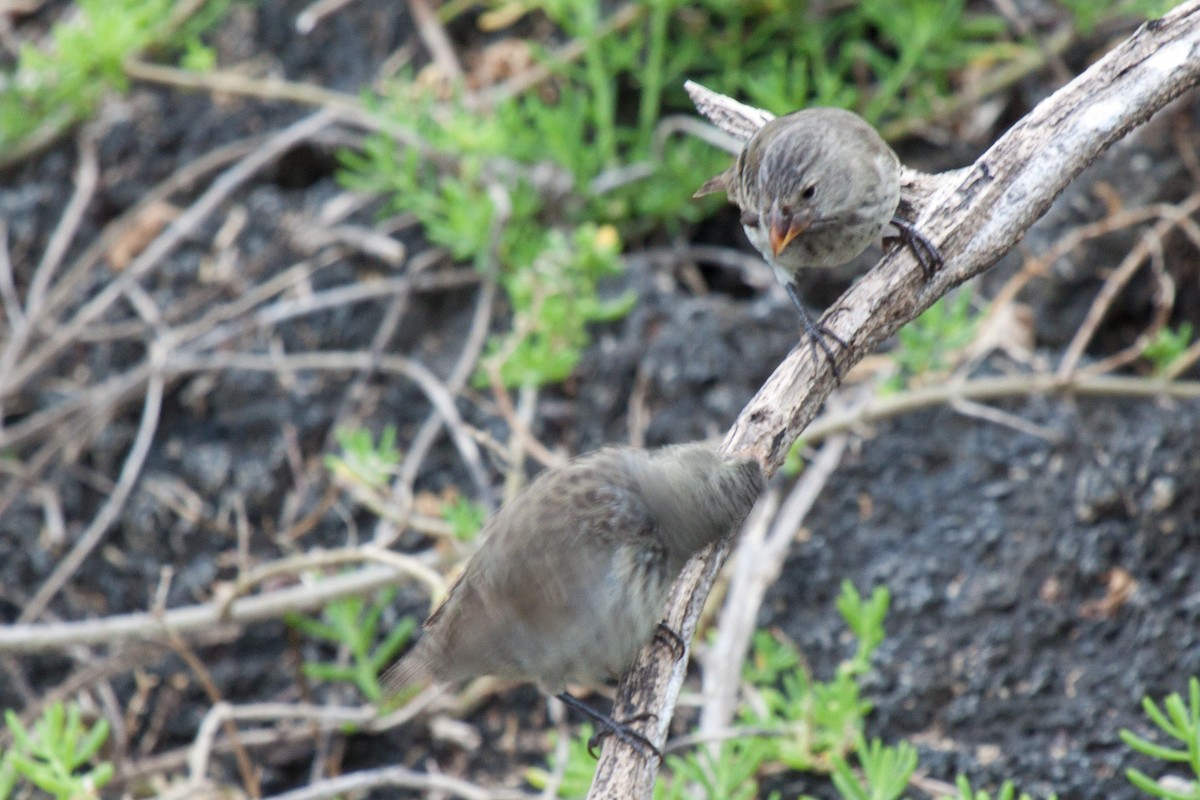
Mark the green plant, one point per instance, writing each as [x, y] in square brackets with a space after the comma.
[926, 343]
[1168, 345]
[808, 726]
[1179, 721]
[885, 771]
[365, 467]
[352, 623]
[553, 299]
[793, 463]
[1088, 13]
[792, 54]
[48, 90]
[820, 719]
[53, 755]
[466, 517]
[550, 267]
[730, 774]
[1007, 792]
[362, 460]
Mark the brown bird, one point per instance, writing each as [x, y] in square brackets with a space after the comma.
[816, 188]
[573, 573]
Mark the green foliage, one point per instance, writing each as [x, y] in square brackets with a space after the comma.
[362, 461]
[729, 775]
[874, 57]
[865, 618]
[551, 259]
[821, 719]
[198, 57]
[1168, 346]
[793, 462]
[352, 623]
[53, 755]
[1007, 792]
[885, 771]
[62, 84]
[1089, 13]
[454, 208]
[466, 517]
[926, 343]
[553, 300]
[1179, 721]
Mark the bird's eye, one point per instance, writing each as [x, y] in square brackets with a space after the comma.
[809, 192]
[749, 219]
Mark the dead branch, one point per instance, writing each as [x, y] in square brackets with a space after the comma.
[975, 216]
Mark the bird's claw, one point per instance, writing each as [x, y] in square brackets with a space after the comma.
[626, 735]
[818, 334]
[925, 251]
[611, 727]
[670, 639]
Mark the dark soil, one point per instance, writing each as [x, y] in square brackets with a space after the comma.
[1012, 651]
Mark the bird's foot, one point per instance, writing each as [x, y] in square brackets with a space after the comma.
[819, 336]
[925, 251]
[611, 727]
[670, 639]
[625, 735]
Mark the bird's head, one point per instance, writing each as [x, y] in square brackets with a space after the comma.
[786, 196]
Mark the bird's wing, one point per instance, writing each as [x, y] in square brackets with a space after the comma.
[717, 183]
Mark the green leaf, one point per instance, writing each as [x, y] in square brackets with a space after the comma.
[1151, 749]
[1150, 786]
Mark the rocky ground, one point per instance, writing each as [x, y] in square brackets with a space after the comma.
[1043, 561]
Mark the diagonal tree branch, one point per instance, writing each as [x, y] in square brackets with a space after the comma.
[975, 216]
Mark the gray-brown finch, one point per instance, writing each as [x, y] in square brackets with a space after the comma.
[573, 573]
[816, 187]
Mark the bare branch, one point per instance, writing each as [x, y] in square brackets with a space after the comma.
[975, 216]
[32, 638]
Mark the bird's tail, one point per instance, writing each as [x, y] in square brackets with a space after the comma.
[415, 669]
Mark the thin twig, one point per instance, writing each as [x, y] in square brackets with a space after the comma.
[306, 20]
[757, 563]
[427, 782]
[85, 186]
[86, 176]
[204, 677]
[185, 177]
[116, 501]
[8, 284]
[433, 34]
[1164, 303]
[300, 563]
[221, 188]
[463, 367]
[347, 106]
[995, 388]
[52, 636]
[1117, 280]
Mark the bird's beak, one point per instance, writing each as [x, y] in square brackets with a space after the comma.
[783, 228]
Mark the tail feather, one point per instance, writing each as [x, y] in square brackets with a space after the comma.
[415, 669]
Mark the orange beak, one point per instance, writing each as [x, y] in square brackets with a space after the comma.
[783, 228]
